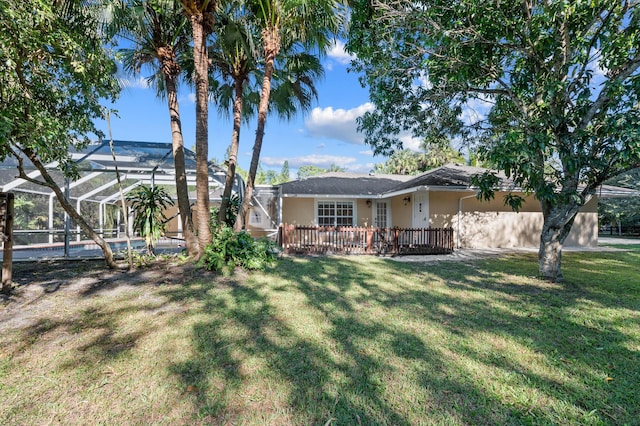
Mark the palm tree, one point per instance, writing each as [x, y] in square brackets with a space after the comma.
[233, 57]
[305, 24]
[201, 15]
[160, 34]
[148, 204]
[293, 83]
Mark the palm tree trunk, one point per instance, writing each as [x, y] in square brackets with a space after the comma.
[271, 46]
[233, 151]
[182, 188]
[71, 211]
[201, 65]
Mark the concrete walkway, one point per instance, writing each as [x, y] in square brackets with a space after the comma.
[466, 254]
[617, 240]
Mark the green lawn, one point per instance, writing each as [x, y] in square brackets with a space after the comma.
[338, 340]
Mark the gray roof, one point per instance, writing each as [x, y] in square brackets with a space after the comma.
[353, 184]
[610, 191]
[448, 177]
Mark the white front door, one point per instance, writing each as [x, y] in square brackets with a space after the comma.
[421, 210]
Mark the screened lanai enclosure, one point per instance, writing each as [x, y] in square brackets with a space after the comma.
[39, 218]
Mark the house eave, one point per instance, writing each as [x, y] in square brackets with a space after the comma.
[428, 188]
[391, 194]
[345, 196]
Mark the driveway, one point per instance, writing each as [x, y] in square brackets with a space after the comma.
[466, 254]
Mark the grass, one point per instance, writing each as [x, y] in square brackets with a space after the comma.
[344, 340]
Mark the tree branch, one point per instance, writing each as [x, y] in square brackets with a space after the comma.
[21, 172]
[604, 96]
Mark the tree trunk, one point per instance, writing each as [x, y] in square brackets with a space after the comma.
[7, 245]
[71, 211]
[271, 47]
[233, 151]
[201, 65]
[558, 220]
[182, 188]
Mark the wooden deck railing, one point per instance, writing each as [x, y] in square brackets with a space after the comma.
[296, 239]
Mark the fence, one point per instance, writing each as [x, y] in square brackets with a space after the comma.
[364, 240]
[627, 230]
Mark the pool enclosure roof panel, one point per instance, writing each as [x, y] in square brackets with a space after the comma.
[137, 162]
[129, 155]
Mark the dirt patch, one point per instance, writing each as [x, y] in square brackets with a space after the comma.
[39, 286]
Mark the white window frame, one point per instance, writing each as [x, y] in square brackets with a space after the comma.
[335, 203]
[255, 217]
[387, 212]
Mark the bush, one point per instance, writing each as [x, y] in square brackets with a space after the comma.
[149, 204]
[229, 249]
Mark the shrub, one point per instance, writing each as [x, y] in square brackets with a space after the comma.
[229, 250]
[149, 204]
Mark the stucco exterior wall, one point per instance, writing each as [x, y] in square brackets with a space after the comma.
[364, 213]
[302, 211]
[492, 224]
[481, 224]
[298, 211]
[401, 214]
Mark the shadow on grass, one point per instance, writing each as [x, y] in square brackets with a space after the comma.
[96, 332]
[353, 341]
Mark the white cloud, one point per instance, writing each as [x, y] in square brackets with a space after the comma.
[361, 168]
[192, 97]
[476, 110]
[339, 124]
[338, 54]
[368, 153]
[409, 142]
[138, 83]
[310, 160]
[596, 63]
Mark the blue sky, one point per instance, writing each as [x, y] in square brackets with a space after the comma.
[325, 135]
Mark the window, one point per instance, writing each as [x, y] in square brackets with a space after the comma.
[335, 213]
[255, 218]
[381, 214]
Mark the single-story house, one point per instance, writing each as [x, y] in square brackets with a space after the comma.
[439, 198]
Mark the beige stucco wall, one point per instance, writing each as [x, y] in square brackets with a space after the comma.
[364, 213]
[401, 214]
[302, 211]
[492, 224]
[482, 224]
[298, 211]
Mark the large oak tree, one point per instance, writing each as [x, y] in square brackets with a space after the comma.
[557, 83]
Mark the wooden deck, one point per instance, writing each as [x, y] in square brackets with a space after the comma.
[296, 239]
